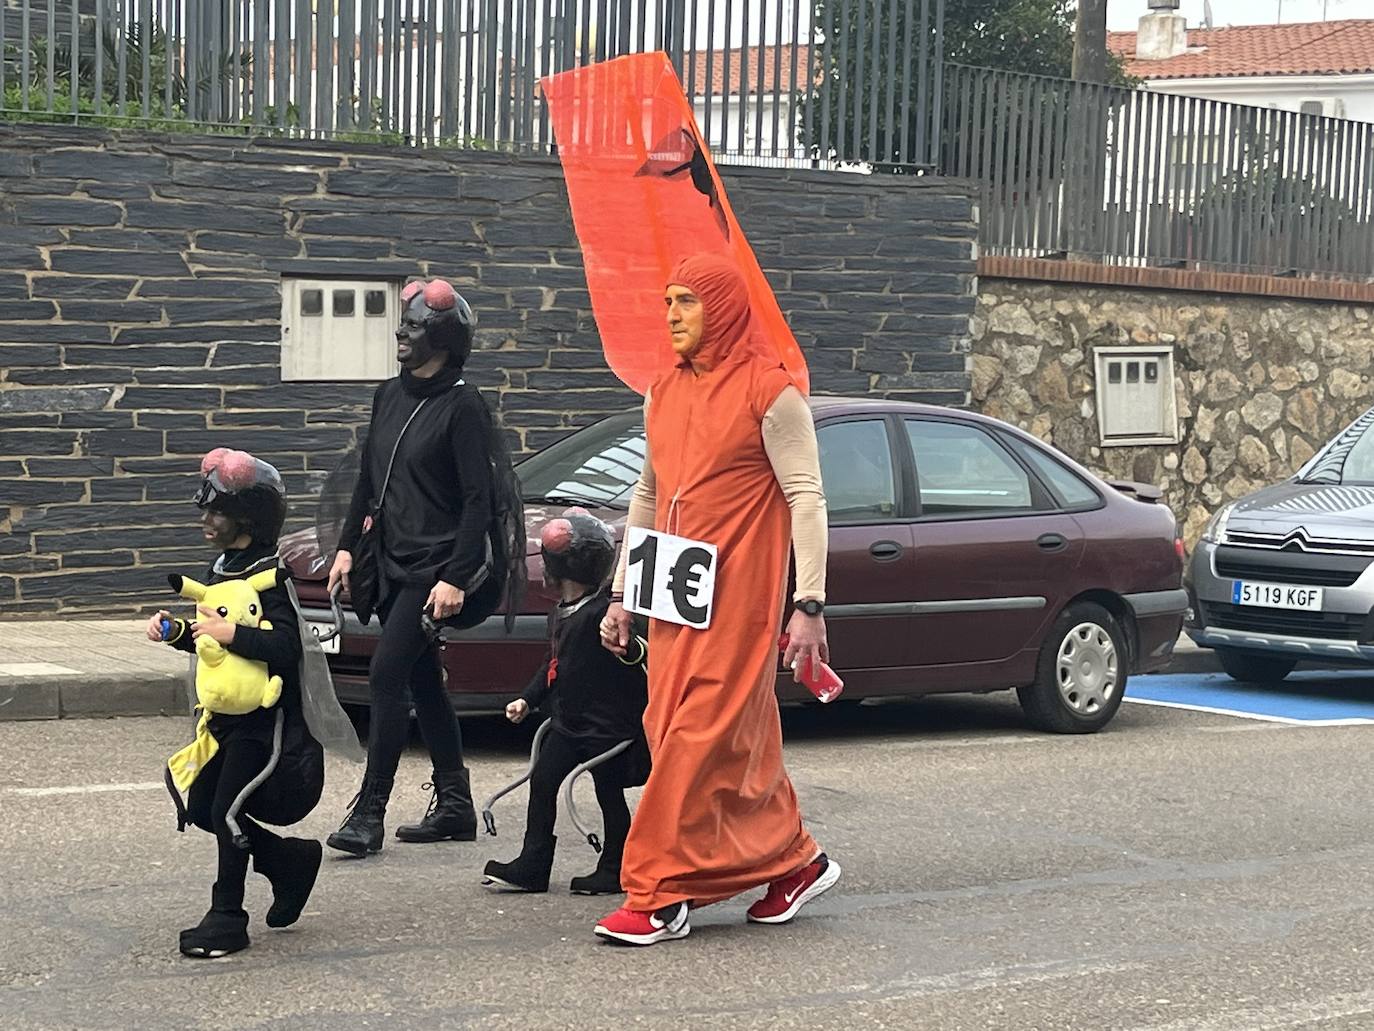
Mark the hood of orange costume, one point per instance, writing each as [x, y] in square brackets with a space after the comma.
[728, 319]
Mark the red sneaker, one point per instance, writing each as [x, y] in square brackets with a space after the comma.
[630, 927]
[786, 897]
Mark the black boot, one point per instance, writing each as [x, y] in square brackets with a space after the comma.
[451, 815]
[291, 865]
[221, 932]
[529, 871]
[362, 830]
[604, 880]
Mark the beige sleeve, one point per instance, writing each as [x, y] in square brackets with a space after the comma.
[789, 438]
[643, 507]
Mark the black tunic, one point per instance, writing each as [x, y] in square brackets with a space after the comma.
[438, 504]
[279, 647]
[591, 693]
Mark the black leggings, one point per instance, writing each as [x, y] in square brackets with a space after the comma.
[406, 669]
[236, 763]
[558, 756]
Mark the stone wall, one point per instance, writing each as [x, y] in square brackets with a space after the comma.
[1260, 384]
[140, 318]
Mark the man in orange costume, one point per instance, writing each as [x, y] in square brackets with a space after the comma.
[731, 461]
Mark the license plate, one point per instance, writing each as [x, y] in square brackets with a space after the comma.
[1276, 596]
[330, 647]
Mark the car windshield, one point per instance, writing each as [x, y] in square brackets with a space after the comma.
[597, 466]
[1349, 459]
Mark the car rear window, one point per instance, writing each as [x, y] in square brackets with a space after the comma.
[1067, 486]
[963, 471]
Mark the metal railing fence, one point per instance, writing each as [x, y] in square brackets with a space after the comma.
[813, 81]
[1123, 176]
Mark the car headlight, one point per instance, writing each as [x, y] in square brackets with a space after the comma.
[1215, 531]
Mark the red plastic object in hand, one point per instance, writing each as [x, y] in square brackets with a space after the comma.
[820, 679]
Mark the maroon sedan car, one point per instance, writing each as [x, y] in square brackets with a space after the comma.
[965, 556]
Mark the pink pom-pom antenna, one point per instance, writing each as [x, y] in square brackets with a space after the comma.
[440, 295]
[238, 469]
[556, 536]
[411, 289]
[576, 510]
[212, 459]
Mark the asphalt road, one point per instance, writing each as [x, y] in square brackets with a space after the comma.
[1182, 870]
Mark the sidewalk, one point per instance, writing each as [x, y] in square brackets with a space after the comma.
[77, 669]
[74, 669]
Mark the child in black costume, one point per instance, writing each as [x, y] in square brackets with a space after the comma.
[244, 506]
[595, 701]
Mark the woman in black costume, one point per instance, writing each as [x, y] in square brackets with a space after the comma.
[435, 466]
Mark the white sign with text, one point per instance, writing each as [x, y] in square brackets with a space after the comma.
[670, 578]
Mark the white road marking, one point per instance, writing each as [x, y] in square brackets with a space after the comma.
[1276, 1016]
[968, 742]
[1351, 722]
[1259, 726]
[86, 789]
[1000, 977]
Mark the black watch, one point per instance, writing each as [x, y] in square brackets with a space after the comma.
[811, 607]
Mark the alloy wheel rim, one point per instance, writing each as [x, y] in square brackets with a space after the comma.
[1087, 669]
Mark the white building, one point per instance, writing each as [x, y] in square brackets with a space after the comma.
[750, 110]
[1320, 68]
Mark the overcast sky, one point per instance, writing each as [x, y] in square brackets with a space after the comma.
[1124, 14]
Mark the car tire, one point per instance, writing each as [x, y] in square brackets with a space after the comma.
[1081, 674]
[1249, 668]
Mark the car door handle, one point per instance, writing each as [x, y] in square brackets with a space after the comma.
[1052, 542]
[885, 551]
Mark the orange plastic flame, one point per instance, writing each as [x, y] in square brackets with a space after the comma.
[644, 194]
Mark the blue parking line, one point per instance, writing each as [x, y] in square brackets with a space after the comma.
[1313, 698]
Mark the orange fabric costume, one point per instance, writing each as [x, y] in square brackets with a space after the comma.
[719, 815]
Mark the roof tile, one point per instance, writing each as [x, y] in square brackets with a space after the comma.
[1308, 48]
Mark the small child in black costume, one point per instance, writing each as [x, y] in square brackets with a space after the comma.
[244, 506]
[595, 700]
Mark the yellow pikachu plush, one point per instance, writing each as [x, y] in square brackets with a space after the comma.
[225, 683]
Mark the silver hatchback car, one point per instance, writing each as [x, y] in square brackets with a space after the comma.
[1286, 575]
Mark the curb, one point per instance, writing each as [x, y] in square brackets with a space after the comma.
[98, 697]
[164, 694]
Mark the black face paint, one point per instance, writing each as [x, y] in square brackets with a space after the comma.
[415, 343]
[220, 530]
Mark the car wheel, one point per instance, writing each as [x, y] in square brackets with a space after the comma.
[1254, 669]
[1081, 675]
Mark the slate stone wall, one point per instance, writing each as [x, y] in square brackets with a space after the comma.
[140, 318]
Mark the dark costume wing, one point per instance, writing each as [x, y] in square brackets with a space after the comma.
[509, 507]
[331, 511]
[328, 723]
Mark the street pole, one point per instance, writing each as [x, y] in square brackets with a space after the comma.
[1090, 42]
[1090, 134]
